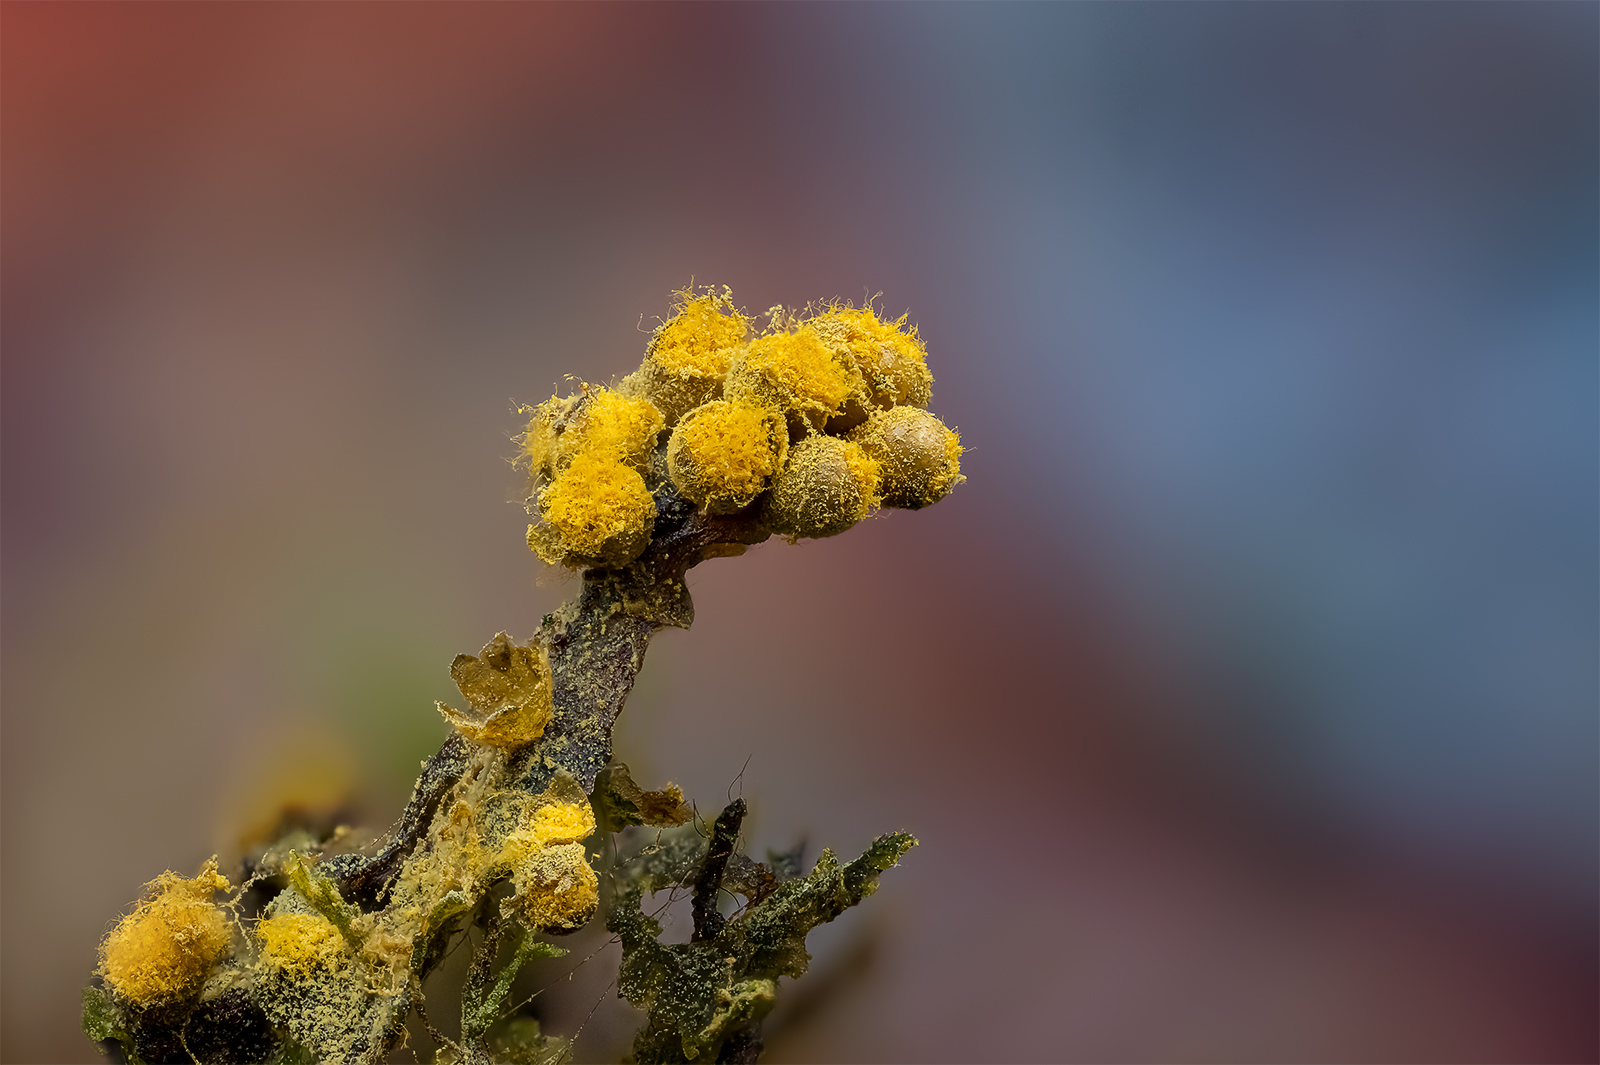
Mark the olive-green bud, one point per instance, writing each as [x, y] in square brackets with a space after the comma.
[918, 455]
[828, 486]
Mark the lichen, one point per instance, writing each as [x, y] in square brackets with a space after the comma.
[508, 689]
[322, 953]
[701, 995]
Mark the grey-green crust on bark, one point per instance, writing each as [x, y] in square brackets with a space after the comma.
[705, 999]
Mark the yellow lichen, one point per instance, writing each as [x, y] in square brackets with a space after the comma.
[795, 373]
[508, 689]
[597, 508]
[163, 950]
[828, 486]
[919, 456]
[723, 454]
[563, 823]
[555, 888]
[600, 422]
[889, 355]
[558, 815]
[439, 880]
[300, 942]
[553, 825]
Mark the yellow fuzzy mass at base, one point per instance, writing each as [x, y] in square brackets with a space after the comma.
[556, 888]
[163, 950]
[300, 942]
[701, 339]
[889, 355]
[599, 508]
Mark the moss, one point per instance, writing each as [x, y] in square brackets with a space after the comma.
[889, 356]
[723, 454]
[163, 950]
[598, 509]
[919, 457]
[828, 486]
[795, 373]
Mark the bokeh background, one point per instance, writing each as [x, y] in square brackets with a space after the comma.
[1244, 700]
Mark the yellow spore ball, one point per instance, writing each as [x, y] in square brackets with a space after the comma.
[550, 825]
[598, 509]
[689, 355]
[545, 428]
[890, 357]
[919, 456]
[796, 373]
[725, 453]
[556, 889]
[300, 943]
[563, 822]
[828, 486]
[163, 951]
[600, 422]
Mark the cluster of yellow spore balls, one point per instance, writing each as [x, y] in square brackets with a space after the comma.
[812, 423]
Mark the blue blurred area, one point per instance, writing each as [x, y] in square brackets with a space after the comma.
[1300, 301]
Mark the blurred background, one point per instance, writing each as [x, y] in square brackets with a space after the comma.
[1244, 700]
